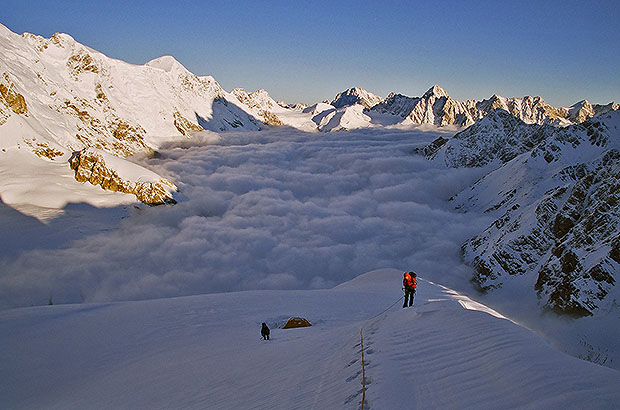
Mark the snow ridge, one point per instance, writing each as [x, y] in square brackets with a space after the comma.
[193, 352]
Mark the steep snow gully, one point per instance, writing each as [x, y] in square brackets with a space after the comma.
[197, 352]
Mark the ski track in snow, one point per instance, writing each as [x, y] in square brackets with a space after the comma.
[206, 352]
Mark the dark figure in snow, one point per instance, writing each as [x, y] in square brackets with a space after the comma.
[409, 285]
[264, 331]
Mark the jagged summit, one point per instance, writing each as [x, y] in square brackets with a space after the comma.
[354, 96]
[435, 91]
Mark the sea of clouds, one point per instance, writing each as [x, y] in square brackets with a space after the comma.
[275, 209]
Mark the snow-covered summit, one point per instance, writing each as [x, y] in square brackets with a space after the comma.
[345, 118]
[166, 63]
[435, 91]
[356, 95]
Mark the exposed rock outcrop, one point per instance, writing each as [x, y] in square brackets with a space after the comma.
[90, 166]
[10, 99]
[185, 126]
[261, 104]
[557, 219]
[354, 96]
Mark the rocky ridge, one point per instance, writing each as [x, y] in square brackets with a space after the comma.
[90, 166]
[554, 195]
[261, 104]
[438, 108]
[499, 136]
[354, 96]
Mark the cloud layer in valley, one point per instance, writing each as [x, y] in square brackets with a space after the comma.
[266, 210]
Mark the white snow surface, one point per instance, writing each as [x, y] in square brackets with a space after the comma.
[445, 352]
[345, 118]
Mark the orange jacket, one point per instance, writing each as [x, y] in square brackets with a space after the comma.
[409, 282]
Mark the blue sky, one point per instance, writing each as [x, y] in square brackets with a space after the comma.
[309, 51]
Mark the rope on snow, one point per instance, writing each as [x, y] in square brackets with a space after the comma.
[362, 347]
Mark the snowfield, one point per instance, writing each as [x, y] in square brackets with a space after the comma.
[205, 351]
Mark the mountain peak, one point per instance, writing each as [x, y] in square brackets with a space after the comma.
[580, 104]
[166, 63]
[356, 95]
[436, 91]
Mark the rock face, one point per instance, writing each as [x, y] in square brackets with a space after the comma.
[261, 104]
[354, 96]
[438, 108]
[90, 166]
[554, 195]
[10, 100]
[497, 137]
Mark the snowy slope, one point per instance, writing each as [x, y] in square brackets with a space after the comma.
[266, 109]
[205, 352]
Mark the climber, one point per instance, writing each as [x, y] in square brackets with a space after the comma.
[409, 286]
[264, 331]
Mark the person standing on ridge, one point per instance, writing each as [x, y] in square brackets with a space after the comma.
[409, 284]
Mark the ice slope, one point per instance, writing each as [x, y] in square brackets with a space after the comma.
[345, 118]
[205, 352]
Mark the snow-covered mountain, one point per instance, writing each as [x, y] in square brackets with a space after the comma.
[59, 97]
[344, 118]
[77, 97]
[438, 108]
[354, 96]
[554, 194]
[498, 137]
[261, 106]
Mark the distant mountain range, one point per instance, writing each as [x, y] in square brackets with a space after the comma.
[75, 97]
